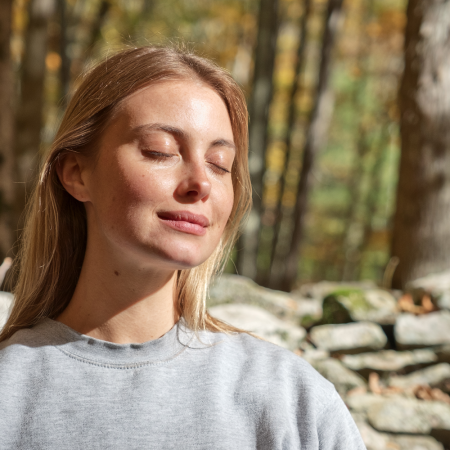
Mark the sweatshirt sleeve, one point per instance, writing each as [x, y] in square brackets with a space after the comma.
[337, 429]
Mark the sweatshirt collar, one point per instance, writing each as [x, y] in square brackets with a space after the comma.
[89, 349]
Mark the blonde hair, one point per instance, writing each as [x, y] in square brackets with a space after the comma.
[53, 242]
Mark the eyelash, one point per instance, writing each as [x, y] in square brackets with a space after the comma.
[167, 155]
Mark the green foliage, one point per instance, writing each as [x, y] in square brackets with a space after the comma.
[348, 224]
[338, 305]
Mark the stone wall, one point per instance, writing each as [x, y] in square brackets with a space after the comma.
[386, 352]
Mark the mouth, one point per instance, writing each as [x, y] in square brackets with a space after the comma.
[185, 221]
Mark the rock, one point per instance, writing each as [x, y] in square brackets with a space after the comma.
[308, 310]
[262, 323]
[443, 301]
[434, 376]
[348, 338]
[352, 305]
[443, 353]
[373, 440]
[237, 289]
[421, 331]
[6, 299]
[343, 379]
[4, 267]
[313, 355]
[388, 360]
[410, 416]
[413, 443]
[323, 288]
[360, 403]
[436, 285]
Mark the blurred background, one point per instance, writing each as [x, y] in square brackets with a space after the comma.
[349, 105]
[334, 102]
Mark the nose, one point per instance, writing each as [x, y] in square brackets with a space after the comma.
[194, 184]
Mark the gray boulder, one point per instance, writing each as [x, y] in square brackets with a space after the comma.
[352, 305]
[6, 299]
[260, 322]
[437, 285]
[237, 289]
[315, 354]
[374, 440]
[443, 353]
[413, 443]
[388, 360]
[348, 338]
[410, 416]
[422, 331]
[361, 403]
[343, 379]
[323, 288]
[434, 376]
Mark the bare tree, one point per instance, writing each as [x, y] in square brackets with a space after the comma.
[7, 219]
[31, 103]
[97, 25]
[274, 275]
[63, 46]
[421, 236]
[315, 135]
[375, 186]
[354, 223]
[259, 115]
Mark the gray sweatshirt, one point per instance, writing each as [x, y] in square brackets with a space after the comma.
[63, 390]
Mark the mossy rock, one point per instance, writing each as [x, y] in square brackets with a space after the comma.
[347, 305]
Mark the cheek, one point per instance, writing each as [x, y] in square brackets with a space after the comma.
[129, 195]
[224, 204]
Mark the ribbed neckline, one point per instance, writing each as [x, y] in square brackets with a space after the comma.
[95, 351]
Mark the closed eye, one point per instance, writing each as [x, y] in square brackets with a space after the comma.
[219, 168]
[157, 154]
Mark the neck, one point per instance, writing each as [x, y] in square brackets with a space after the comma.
[121, 303]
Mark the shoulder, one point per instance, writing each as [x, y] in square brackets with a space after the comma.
[265, 364]
[24, 345]
[320, 411]
[284, 387]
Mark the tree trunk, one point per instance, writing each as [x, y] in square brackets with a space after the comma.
[31, 104]
[96, 30]
[375, 183]
[421, 236]
[259, 116]
[88, 39]
[7, 218]
[316, 133]
[63, 45]
[272, 279]
[354, 223]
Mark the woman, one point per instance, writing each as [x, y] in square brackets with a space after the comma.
[109, 344]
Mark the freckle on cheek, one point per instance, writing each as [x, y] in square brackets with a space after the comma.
[117, 273]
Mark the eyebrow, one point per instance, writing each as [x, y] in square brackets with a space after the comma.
[223, 143]
[181, 134]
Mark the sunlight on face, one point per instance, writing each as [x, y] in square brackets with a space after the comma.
[161, 189]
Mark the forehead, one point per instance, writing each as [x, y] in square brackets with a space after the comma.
[187, 104]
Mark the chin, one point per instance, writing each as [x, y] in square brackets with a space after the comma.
[185, 263]
[182, 257]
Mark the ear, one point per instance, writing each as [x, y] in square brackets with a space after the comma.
[72, 174]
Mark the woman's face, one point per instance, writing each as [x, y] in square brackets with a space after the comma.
[161, 190]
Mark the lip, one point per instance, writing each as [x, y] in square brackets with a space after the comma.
[185, 221]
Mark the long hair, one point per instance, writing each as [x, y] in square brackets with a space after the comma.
[53, 241]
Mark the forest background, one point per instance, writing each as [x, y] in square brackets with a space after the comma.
[323, 79]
